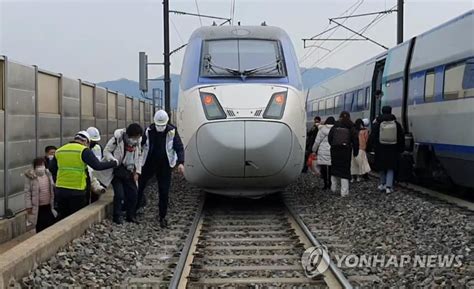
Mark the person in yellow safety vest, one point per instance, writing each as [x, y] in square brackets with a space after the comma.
[94, 187]
[69, 172]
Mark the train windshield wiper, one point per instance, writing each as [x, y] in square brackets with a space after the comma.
[265, 70]
[211, 67]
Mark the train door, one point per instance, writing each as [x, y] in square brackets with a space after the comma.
[376, 101]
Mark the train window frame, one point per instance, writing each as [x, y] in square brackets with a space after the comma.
[431, 98]
[349, 108]
[360, 104]
[279, 54]
[457, 67]
[367, 97]
[337, 106]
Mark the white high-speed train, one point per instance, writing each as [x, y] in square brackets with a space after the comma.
[429, 82]
[241, 110]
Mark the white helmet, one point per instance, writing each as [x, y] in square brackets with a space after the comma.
[83, 135]
[161, 118]
[93, 133]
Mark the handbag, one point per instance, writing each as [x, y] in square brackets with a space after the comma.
[121, 172]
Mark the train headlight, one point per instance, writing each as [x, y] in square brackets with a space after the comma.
[211, 106]
[276, 107]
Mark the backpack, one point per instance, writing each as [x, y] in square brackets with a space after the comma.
[388, 132]
[341, 136]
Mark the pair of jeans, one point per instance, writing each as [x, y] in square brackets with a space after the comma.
[163, 176]
[386, 178]
[326, 175]
[125, 190]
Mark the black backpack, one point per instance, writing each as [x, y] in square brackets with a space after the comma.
[341, 136]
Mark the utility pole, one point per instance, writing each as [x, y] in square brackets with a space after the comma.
[166, 54]
[399, 21]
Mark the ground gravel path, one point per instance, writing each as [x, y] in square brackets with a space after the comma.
[373, 223]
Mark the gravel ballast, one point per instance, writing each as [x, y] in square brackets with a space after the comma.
[109, 254]
[370, 223]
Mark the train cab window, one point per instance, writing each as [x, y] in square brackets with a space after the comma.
[429, 86]
[48, 93]
[453, 81]
[330, 106]
[322, 107]
[367, 97]
[242, 58]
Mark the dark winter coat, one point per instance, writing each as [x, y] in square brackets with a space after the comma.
[341, 155]
[386, 156]
[311, 137]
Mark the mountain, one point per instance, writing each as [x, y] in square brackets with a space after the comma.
[311, 76]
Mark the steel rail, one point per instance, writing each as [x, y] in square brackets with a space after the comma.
[332, 267]
[174, 282]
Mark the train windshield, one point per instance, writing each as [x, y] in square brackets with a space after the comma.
[242, 58]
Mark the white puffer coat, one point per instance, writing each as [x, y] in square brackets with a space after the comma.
[321, 145]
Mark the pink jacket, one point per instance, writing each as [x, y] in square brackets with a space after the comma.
[32, 194]
[363, 139]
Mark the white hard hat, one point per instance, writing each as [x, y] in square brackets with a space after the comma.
[161, 118]
[83, 135]
[93, 133]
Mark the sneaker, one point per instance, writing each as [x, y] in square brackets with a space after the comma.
[358, 179]
[163, 223]
[140, 211]
[344, 194]
[388, 190]
[381, 188]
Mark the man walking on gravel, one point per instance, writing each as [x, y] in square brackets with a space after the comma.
[162, 151]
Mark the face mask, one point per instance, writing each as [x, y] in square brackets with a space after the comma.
[50, 157]
[40, 171]
[132, 141]
[160, 128]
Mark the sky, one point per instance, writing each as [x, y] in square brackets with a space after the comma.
[99, 40]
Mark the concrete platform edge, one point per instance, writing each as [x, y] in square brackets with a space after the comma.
[19, 260]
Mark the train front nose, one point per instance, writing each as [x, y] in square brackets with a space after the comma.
[239, 149]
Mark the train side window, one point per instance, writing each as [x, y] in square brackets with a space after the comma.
[348, 101]
[322, 107]
[337, 104]
[453, 80]
[330, 106]
[2, 83]
[314, 108]
[429, 86]
[468, 80]
[360, 100]
[367, 97]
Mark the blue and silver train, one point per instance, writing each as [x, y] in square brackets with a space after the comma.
[429, 82]
[241, 110]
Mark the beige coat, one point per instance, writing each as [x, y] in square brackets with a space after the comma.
[32, 194]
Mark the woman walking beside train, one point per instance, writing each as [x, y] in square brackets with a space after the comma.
[344, 142]
[360, 165]
[323, 150]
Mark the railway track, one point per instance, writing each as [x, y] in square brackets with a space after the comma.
[248, 243]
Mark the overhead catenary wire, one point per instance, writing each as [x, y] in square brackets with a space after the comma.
[199, 13]
[353, 7]
[341, 45]
[177, 31]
